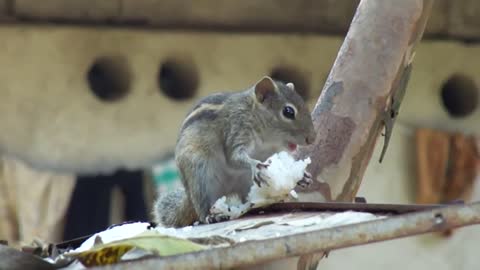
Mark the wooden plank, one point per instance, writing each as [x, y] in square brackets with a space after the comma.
[276, 15]
[449, 18]
[4, 9]
[437, 25]
[85, 10]
[432, 149]
[464, 19]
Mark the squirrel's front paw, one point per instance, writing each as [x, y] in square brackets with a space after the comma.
[306, 180]
[259, 174]
[215, 218]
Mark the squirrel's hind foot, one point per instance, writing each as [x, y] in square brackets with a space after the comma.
[215, 218]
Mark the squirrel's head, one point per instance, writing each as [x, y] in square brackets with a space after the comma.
[285, 111]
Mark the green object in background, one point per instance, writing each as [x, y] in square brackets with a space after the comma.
[165, 175]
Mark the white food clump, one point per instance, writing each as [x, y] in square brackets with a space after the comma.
[282, 176]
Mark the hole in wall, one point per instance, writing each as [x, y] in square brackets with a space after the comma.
[459, 96]
[288, 74]
[178, 78]
[109, 78]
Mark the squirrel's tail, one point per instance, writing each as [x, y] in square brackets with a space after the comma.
[174, 209]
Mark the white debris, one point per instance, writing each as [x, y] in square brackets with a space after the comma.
[231, 206]
[170, 231]
[135, 253]
[187, 229]
[119, 232]
[337, 219]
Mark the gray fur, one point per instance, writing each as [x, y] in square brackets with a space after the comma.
[215, 99]
[218, 152]
[173, 202]
[204, 115]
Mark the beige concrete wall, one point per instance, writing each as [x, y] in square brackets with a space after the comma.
[47, 104]
[50, 118]
[54, 121]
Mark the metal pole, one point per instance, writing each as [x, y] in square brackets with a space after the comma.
[254, 252]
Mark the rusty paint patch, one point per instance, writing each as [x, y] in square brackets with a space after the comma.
[329, 146]
[310, 261]
[328, 97]
[332, 140]
[362, 236]
[346, 53]
[359, 164]
[335, 136]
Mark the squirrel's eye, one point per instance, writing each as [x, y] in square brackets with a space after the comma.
[289, 112]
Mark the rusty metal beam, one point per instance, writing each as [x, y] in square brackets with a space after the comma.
[374, 208]
[356, 102]
[254, 252]
[351, 110]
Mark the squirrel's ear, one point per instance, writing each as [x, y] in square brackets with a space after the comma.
[291, 86]
[264, 88]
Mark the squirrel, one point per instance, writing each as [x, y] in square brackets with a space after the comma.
[223, 143]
